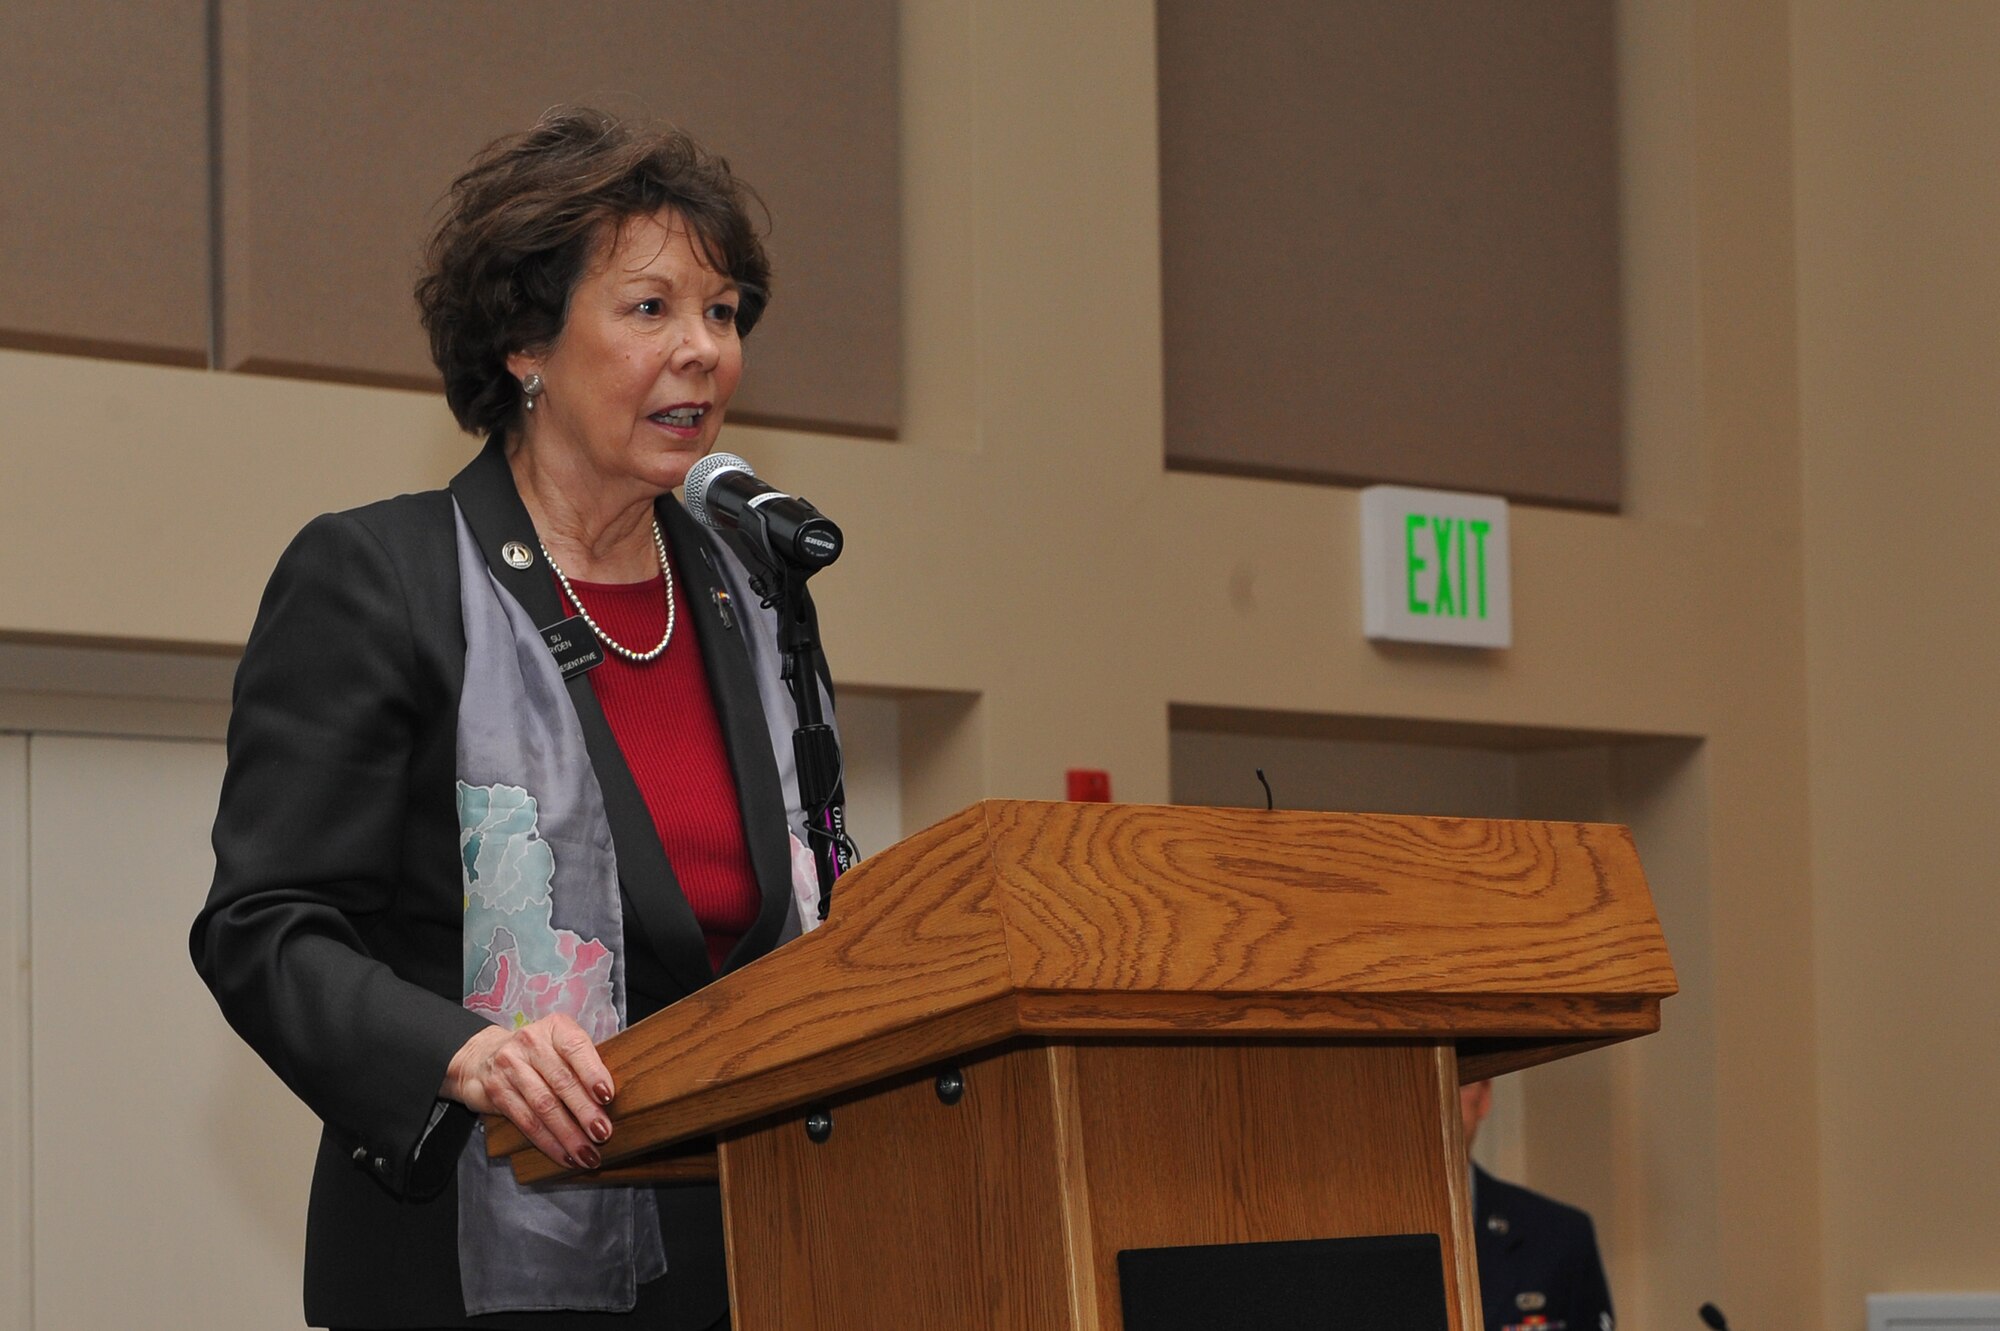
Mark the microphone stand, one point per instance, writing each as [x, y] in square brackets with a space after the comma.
[815, 746]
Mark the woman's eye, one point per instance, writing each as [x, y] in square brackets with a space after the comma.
[722, 312]
[651, 307]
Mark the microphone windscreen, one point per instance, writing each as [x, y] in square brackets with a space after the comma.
[701, 475]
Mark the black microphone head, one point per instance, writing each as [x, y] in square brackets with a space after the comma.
[818, 542]
[701, 475]
[1712, 1317]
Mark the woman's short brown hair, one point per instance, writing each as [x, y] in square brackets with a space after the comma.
[522, 223]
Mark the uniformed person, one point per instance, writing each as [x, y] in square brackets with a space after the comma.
[1538, 1263]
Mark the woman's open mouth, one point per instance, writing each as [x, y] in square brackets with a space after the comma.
[684, 420]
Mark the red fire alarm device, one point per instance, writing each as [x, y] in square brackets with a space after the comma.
[1089, 785]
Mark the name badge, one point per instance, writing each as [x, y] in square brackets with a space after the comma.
[574, 646]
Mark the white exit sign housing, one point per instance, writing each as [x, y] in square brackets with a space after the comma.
[1434, 567]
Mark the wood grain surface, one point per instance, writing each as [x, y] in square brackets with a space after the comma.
[688, 1162]
[913, 1213]
[1246, 1143]
[1017, 918]
[1463, 1252]
[1006, 1211]
[1137, 898]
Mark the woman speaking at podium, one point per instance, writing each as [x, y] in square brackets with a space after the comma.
[507, 766]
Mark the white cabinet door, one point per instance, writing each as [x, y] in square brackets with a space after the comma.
[16, 1199]
[169, 1165]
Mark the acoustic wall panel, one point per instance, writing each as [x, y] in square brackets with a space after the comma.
[1390, 242]
[341, 128]
[105, 163]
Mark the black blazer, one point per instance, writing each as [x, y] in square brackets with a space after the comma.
[1537, 1258]
[331, 935]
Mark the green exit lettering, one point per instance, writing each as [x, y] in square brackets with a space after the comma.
[1457, 549]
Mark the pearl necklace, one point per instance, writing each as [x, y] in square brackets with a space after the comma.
[666, 572]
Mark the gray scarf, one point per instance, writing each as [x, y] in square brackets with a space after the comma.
[544, 933]
[531, 818]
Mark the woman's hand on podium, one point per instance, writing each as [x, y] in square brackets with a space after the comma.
[546, 1079]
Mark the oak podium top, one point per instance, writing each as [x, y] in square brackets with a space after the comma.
[1521, 941]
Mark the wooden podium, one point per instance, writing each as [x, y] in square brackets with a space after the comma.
[1035, 1037]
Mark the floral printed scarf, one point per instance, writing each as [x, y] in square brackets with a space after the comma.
[543, 933]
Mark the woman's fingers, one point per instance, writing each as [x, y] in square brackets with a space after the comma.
[546, 1079]
[580, 1053]
[569, 1066]
[534, 1106]
[509, 1102]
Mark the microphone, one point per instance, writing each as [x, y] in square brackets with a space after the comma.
[724, 494]
[1711, 1317]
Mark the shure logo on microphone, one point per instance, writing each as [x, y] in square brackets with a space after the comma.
[818, 540]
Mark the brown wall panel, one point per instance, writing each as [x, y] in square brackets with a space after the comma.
[339, 137]
[104, 159]
[1390, 242]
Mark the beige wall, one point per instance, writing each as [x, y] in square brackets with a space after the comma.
[1794, 729]
[1898, 188]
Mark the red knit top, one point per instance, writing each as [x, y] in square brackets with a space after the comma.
[664, 719]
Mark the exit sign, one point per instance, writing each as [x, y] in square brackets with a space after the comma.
[1434, 567]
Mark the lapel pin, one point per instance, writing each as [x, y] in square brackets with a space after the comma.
[1497, 1223]
[520, 556]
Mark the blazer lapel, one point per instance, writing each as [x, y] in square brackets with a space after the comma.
[745, 732]
[493, 509]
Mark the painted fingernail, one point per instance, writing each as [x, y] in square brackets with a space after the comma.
[591, 1159]
[603, 1093]
[570, 1160]
[601, 1129]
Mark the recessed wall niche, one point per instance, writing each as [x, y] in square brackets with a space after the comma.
[1627, 1132]
[911, 757]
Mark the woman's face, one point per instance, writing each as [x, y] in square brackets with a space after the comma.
[635, 387]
